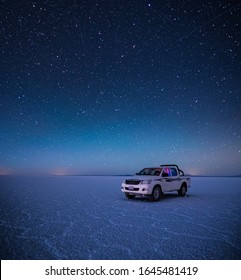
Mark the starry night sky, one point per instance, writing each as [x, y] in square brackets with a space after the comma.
[110, 87]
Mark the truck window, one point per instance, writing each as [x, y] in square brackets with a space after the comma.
[174, 171]
[166, 172]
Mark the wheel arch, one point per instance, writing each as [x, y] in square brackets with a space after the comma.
[157, 185]
[184, 184]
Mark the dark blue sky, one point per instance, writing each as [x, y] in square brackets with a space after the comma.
[109, 87]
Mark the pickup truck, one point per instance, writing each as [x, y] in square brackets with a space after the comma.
[154, 181]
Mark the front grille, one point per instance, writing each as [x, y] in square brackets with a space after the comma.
[132, 189]
[132, 182]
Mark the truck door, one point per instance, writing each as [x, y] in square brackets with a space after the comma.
[166, 180]
[175, 179]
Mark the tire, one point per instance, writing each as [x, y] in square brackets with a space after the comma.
[129, 196]
[183, 190]
[156, 194]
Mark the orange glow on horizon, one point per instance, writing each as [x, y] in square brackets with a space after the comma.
[5, 171]
[60, 172]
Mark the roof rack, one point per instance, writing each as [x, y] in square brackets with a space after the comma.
[179, 170]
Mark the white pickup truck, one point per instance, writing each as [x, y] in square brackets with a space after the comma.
[154, 181]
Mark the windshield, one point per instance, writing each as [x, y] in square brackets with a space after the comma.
[150, 171]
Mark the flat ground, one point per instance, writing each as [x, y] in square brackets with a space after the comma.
[89, 218]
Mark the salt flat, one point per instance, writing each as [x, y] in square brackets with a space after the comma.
[84, 217]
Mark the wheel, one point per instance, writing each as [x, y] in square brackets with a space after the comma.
[156, 194]
[183, 190]
[129, 196]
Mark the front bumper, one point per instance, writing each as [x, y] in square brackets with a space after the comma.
[141, 189]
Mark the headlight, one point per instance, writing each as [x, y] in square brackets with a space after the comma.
[145, 181]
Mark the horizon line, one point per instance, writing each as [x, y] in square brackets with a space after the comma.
[101, 175]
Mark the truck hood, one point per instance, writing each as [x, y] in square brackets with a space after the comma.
[143, 177]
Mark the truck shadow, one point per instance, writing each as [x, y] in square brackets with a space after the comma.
[164, 197]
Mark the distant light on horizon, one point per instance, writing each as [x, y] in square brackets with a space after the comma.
[60, 172]
[5, 171]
